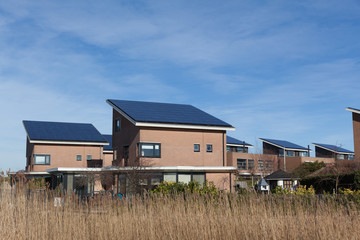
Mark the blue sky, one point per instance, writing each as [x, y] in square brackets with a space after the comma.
[273, 69]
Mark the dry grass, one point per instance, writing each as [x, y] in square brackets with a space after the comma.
[229, 217]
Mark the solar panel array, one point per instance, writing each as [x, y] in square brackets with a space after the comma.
[167, 113]
[284, 144]
[60, 131]
[108, 138]
[231, 140]
[333, 147]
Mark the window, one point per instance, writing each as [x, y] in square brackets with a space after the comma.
[41, 159]
[250, 164]
[228, 149]
[117, 124]
[303, 154]
[288, 184]
[290, 153]
[170, 177]
[350, 157]
[269, 165]
[184, 178]
[200, 178]
[149, 150]
[196, 147]
[88, 157]
[341, 156]
[261, 165]
[209, 147]
[78, 157]
[241, 164]
[281, 152]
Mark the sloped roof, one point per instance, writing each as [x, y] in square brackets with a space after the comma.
[333, 148]
[63, 132]
[234, 141]
[280, 175]
[165, 113]
[283, 144]
[354, 110]
[108, 138]
[262, 182]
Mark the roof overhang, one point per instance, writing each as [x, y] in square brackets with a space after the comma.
[290, 149]
[205, 169]
[66, 142]
[108, 151]
[331, 150]
[354, 110]
[170, 125]
[238, 145]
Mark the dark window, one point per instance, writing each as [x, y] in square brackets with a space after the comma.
[78, 157]
[149, 150]
[260, 165]
[117, 124]
[350, 157]
[290, 153]
[341, 156]
[281, 152]
[88, 157]
[41, 159]
[250, 164]
[241, 164]
[269, 165]
[196, 147]
[209, 148]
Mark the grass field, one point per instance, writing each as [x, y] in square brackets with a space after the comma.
[179, 217]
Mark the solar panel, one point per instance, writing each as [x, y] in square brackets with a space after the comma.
[60, 131]
[231, 140]
[284, 144]
[333, 147]
[167, 113]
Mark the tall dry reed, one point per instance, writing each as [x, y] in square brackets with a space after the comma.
[192, 216]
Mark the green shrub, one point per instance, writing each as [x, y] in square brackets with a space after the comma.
[191, 187]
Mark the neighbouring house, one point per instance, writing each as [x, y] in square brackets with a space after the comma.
[108, 151]
[61, 144]
[282, 179]
[51, 146]
[176, 142]
[249, 165]
[356, 130]
[290, 155]
[332, 151]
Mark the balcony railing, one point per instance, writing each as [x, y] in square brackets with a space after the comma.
[94, 163]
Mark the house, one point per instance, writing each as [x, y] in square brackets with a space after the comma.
[290, 155]
[356, 130]
[249, 165]
[59, 144]
[235, 145]
[108, 151]
[282, 179]
[332, 151]
[175, 142]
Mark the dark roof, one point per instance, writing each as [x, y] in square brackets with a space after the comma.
[152, 112]
[284, 144]
[61, 131]
[108, 138]
[231, 140]
[333, 148]
[262, 182]
[279, 175]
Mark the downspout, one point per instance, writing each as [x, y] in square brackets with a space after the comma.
[285, 159]
[223, 149]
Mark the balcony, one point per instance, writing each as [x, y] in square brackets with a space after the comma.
[95, 163]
